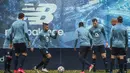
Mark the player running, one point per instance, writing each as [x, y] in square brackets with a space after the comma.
[8, 54]
[118, 43]
[99, 37]
[18, 40]
[44, 38]
[84, 37]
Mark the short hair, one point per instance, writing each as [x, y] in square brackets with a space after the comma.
[120, 19]
[81, 24]
[113, 20]
[44, 24]
[20, 15]
[93, 20]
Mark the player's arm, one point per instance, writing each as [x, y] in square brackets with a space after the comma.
[26, 33]
[90, 37]
[104, 34]
[76, 40]
[126, 39]
[11, 37]
[111, 38]
[36, 40]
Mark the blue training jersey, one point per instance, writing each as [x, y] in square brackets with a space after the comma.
[98, 35]
[43, 39]
[83, 35]
[119, 36]
[19, 30]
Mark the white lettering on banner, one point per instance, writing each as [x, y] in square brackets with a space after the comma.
[35, 32]
[60, 32]
[43, 13]
[2, 59]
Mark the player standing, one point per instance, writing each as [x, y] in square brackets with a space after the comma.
[8, 54]
[114, 22]
[44, 38]
[118, 43]
[99, 37]
[84, 37]
[18, 40]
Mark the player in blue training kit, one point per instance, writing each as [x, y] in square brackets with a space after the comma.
[84, 37]
[99, 38]
[118, 44]
[114, 22]
[8, 54]
[44, 38]
[18, 38]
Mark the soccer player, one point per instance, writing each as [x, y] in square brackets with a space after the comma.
[8, 54]
[99, 38]
[114, 22]
[84, 37]
[18, 39]
[118, 43]
[44, 38]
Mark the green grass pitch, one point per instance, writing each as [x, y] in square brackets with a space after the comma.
[67, 71]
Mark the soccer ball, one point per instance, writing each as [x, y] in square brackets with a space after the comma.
[61, 69]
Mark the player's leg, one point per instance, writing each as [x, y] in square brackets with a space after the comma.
[5, 65]
[82, 55]
[16, 62]
[42, 62]
[46, 61]
[81, 58]
[114, 53]
[46, 58]
[95, 50]
[17, 52]
[103, 54]
[121, 63]
[8, 58]
[90, 66]
[121, 56]
[125, 64]
[118, 60]
[23, 57]
[23, 51]
[112, 63]
[94, 62]
[105, 61]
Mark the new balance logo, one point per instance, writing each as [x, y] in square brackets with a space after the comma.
[43, 13]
